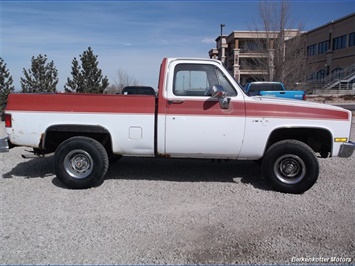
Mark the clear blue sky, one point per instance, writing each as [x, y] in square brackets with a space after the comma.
[133, 36]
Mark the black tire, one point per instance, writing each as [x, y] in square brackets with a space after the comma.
[290, 166]
[80, 162]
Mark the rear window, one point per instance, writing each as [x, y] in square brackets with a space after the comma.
[138, 90]
[265, 87]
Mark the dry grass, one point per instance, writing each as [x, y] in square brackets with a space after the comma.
[345, 98]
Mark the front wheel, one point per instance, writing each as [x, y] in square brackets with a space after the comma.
[290, 166]
[80, 162]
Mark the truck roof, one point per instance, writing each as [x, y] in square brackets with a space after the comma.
[193, 59]
[265, 82]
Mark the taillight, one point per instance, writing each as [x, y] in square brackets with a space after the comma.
[8, 120]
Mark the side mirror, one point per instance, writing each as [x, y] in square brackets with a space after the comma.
[219, 93]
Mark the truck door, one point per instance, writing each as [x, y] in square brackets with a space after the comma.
[196, 125]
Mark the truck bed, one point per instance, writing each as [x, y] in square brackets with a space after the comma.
[129, 118]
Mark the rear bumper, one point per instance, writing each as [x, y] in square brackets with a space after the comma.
[346, 149]
[4, 145]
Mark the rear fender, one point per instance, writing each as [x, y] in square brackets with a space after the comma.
[56, 134]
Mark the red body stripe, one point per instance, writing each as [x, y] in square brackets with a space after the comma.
[238, 108]
[98, 103]
[289, 111]
[161, 86]
[143, 104]
[211, 107]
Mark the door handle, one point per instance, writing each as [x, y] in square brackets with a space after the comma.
[175, 101]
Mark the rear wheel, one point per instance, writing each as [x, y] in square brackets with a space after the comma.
[290, 166]
[80, 162]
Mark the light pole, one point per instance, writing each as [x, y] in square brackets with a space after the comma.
[221, 41]
[222, 26]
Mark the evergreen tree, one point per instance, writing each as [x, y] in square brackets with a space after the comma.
[6, 86]
[41, 77]
[77, 83]
[87, 78]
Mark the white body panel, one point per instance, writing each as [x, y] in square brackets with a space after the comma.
[132, 134]
[203, 137]
[259, 128]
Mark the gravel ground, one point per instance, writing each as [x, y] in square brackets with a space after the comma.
[165, 211]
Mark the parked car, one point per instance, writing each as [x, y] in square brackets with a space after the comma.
[273, 89]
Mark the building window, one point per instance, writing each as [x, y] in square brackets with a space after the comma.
[312, 50]
[253, 46]
[320, 75]
[252, 63]
[323, 47]
[352, 39]
[337, 73]
[339, 42]
[311, 77]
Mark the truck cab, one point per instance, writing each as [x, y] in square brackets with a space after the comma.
[188, 112]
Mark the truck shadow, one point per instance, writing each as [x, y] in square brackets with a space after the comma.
[32, 168]
[188, 170]
[156, 169]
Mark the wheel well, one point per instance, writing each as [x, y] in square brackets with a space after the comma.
[319, 139]
[56, 134]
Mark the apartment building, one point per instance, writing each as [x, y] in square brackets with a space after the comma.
[248, 55]
[328, 53]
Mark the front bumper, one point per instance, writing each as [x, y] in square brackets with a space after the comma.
[346, 149]
[4, 145]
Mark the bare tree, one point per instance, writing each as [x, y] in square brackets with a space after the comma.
[123, 80]
[278, 45]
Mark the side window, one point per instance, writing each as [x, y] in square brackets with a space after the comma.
[230, 91]
[191, 80]
[198, 80]
[253, 88]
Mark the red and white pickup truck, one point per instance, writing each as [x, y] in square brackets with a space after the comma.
[199, 112]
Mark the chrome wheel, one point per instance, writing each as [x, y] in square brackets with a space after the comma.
[78, 164]
[290, 169]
